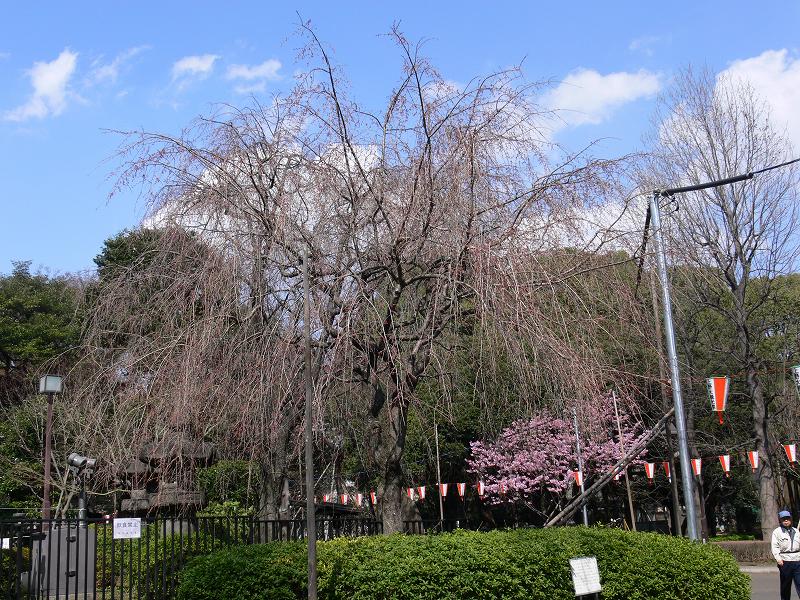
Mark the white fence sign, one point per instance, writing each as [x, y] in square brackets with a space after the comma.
[585, 575]
[127, 529]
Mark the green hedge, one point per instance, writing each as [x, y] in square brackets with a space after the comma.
[150, 563]
[502, 564]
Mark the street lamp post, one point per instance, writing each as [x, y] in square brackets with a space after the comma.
[49, 385]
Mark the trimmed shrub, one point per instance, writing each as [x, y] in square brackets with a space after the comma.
[502, 564]
[754, 551]
[274, 571]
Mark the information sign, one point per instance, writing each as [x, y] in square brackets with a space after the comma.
[127, 529]
[585, 575]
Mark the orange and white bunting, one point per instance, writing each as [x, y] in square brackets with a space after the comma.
[326, 498]
[359, 499]
[481, 489]
[697, 466]
[666, 470]
[578, 477]
[374, 497]
[410, 493]
[421, 492]
[443, 489]
[725, 461]
[345, 498]
[650, 470]
[462, 489]
[752, 457]
[718, 394]
[791, 452]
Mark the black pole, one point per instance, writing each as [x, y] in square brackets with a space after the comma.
[311, 522]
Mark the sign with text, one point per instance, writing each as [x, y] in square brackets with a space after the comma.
[585, 575]
[127, 529]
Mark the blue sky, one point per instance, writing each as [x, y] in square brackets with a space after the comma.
[70, 72]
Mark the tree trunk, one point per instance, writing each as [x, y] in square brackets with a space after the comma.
[767, 489]
[388, 441]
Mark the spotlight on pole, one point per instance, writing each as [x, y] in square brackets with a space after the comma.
[81, 466]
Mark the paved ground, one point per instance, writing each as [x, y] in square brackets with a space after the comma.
[764, 583]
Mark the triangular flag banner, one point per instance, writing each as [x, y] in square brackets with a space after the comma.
[650, 470]
[410, 493]
[697, 466]
[374, 497]
[718, 393]
[752, 456]
[344, 498]
[666, 470]
[481, 488]
[791, 452]
[578, 477]
[443, 489]
[725, 461]
[359, 499]
[421, 491]
[462, 489]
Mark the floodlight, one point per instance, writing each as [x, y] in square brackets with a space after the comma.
[50, 384]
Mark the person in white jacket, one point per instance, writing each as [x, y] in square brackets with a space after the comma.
[786, 550]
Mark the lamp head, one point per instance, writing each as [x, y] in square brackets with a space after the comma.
[50, 384]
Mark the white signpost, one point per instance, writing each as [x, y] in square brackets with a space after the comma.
[585, 575]
[127, 529]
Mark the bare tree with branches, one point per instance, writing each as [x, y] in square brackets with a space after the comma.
[444, 212]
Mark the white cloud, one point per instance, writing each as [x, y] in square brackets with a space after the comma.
[267, 70]
[587, 97]
[50, 81]
[110, 71]
[256, 76]
[646, 44]
[775, 76]
[193, 68]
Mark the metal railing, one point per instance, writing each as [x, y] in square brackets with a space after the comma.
[83, 559]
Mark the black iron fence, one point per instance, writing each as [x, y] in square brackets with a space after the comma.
[126, 559]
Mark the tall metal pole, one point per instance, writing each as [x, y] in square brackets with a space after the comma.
[438, 469]
[677, 398]
[48, 445]
[311, 517]
[622, 448]
[580, 463]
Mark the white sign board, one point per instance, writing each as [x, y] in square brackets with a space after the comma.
[585, 575]
[127, 529]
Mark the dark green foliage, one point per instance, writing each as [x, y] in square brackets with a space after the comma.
[525, 563]
[37, 315]
[227, 481]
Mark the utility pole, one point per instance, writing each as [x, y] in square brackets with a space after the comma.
[580, 463]
[311, 517]
[438, 470]
[622, 448]
[675, 374]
